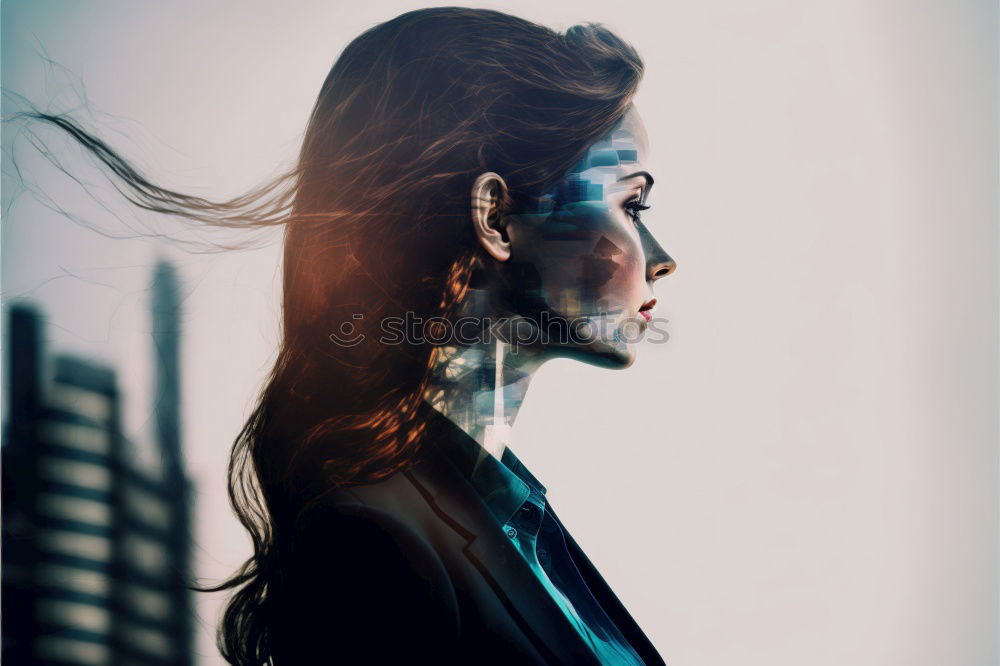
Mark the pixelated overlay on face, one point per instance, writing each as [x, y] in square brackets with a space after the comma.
[581, 252]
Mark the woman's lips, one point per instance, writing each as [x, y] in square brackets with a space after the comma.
[647, 310]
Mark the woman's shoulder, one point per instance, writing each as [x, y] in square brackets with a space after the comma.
[409, 496]
[386, 525]
[345, 528]
[357, 576]
[399, 517]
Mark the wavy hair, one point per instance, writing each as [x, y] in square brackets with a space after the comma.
[376, 217]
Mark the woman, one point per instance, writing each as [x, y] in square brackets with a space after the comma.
[466, 206]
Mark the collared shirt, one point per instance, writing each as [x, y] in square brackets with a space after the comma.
[517, 500]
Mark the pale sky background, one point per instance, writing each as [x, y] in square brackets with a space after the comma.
[806, 473]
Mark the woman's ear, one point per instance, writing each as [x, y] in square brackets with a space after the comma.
[487, 193]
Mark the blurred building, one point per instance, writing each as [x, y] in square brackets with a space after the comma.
[96, 547]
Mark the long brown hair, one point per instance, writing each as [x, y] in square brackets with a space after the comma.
[376, 216]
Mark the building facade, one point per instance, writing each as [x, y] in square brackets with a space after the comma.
[96, 548]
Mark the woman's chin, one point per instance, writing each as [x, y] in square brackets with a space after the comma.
[601, 354]
[621, 358]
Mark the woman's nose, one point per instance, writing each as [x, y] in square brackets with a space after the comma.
[658, 263]
[661, 267]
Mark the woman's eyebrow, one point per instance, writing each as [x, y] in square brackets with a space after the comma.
[644, 174]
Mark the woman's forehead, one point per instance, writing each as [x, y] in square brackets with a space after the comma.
[631, 129]
[625, 144]
[632, 123]
[617, 155]
[611, 164]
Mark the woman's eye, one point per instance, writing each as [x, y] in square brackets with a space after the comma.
[634, 208]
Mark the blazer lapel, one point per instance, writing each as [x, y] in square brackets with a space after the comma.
[609, 602]
[490, 551]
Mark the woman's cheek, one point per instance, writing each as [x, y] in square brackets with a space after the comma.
[627, 283]
[588, 269]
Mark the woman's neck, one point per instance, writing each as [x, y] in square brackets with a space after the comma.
[480, 389]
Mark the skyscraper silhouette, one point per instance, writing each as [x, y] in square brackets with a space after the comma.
[96, 545]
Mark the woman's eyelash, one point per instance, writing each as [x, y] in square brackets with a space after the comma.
[634, 208]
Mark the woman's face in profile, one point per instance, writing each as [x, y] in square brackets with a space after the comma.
[586, 255]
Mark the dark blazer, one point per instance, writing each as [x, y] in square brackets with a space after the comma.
[414, 569]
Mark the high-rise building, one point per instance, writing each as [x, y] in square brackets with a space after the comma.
[96, 547]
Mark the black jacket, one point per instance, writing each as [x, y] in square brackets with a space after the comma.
[414, 569]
